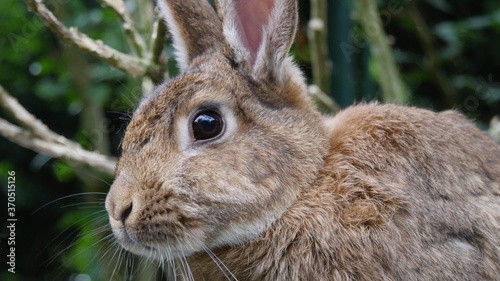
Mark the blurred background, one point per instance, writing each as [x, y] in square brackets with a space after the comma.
[446, 53]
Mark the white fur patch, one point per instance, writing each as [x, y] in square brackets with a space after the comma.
[241, 233]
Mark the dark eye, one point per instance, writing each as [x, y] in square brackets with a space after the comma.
[207, 125]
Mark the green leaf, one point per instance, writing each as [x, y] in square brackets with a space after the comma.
[63, 172]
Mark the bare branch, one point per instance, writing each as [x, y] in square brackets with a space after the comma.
[324, 102]
[128, 25]
[38, 137]
[393, 88]
[70, 151]
[27, 119]
[132, 65]
[317, 33]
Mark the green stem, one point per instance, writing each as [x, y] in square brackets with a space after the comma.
[393, 88]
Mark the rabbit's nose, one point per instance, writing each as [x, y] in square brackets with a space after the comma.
[122, 212]
[119, 203]
[118, 208]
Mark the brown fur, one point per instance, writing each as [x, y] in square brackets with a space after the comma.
[386, 207]
[379, 192]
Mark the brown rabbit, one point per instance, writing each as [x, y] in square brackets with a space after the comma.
[229, 173]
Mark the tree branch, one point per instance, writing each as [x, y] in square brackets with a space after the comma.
[128, 25]
[38, 137]
[323, 101]
[132, 65]
[393, 89]
[26, 119]
[319, 50]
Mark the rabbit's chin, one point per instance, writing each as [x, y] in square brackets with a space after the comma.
[164, 250]
[188, 242]
[161, 252]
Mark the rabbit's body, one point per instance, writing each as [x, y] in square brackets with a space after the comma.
[231, 158]
[386, 206]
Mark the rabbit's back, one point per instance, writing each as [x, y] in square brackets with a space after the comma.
[429, 182]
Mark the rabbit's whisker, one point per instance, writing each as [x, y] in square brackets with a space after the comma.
[67, 196]
[118, 250]
[227, 273]
[170, 259]
[103, 217]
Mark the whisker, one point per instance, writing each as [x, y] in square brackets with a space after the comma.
[157, 270]
[111, 244]
[182, 267]
[100, 230]
[127, 265]
[214, 257]
[118, 250]
[132, 266]
[85, 172]
[184, 261]
[76, 230]
[97, 205]
[74, 242]
[67, 196]
[162, 265]
[171, 260]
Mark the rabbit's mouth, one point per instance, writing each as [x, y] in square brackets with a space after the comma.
[162, 248]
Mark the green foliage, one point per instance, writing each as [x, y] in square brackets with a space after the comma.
[36, 69]
[465, 38]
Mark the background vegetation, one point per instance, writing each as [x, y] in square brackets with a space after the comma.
[446, 53]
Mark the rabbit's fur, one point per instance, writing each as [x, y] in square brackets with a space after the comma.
[379, 192]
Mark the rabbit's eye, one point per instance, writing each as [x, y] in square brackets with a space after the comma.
[207, 125]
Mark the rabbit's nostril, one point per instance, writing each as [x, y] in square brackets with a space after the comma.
[126, 212]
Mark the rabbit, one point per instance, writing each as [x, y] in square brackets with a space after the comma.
[228, 172]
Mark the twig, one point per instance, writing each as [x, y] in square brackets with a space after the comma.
[132, 65]
[128, 25]
[72, 152]
[38, 137]
[26, 119]
[319, 49]
[393, 89]
[326, 104]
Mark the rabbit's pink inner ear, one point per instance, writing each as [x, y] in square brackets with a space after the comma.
[252, 17]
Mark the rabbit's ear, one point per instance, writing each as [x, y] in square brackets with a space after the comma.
[194, 27]
[259, 33]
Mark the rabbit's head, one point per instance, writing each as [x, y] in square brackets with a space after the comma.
[214, 156]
